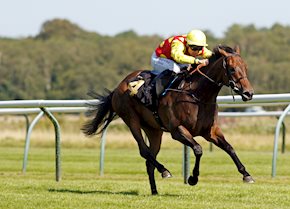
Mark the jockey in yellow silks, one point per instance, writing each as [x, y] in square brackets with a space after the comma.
[179, 51]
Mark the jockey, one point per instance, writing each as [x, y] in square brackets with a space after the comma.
[179, 51]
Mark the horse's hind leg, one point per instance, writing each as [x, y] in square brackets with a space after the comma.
[219, 140]
[133, 122]
[154, 137]
[182, 134]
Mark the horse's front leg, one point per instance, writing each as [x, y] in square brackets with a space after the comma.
[182, 134]
[216, 136]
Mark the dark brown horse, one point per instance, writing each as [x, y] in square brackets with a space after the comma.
[185, 113]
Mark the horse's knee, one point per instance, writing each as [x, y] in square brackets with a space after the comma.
[197, 149]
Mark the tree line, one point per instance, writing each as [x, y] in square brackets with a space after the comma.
[64, 61]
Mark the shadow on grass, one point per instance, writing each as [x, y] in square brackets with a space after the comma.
[135, 193]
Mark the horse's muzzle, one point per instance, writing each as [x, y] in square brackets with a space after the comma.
[247, 95]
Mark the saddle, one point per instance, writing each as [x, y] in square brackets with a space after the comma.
[149, 88]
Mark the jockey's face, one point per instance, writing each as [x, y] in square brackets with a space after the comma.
[194, 50]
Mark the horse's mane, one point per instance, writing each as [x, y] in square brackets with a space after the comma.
[217, 54]
[223, 47]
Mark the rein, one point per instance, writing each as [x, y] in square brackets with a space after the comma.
[232, 82]
[197, 69]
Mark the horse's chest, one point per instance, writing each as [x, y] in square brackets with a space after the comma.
[204, 119]
[197, 118]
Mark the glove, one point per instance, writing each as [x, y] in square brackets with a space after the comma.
[204, 61]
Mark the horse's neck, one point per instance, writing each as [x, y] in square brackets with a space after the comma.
[206, 90]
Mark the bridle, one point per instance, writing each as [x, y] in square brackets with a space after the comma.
[228, 71]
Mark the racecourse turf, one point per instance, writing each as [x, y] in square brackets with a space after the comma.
[125, 182]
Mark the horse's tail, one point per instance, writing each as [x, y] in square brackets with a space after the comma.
[101, 110]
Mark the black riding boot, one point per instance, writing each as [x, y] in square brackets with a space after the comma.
[162, 80]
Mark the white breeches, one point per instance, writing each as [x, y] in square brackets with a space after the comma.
[160, 64]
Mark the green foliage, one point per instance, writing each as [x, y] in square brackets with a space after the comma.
[267, 53]
[64, 61]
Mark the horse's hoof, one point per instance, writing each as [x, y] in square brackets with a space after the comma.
[154, 193]
[192, 180]
[248, 179]
[166, 174]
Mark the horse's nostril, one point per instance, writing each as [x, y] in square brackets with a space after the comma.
[248, 94]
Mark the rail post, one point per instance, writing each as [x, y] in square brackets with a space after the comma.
[276, 138]
[57, 143]
[27, 140]
[186, 163]
[102, 151]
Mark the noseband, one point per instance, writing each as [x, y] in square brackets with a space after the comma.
[229, 72]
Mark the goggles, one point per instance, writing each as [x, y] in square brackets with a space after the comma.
[195, 48]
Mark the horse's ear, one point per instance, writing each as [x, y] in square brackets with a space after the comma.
[237, 49]
[223, 52]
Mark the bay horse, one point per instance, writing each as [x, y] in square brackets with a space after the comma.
[185, 113]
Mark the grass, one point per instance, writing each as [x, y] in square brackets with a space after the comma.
[125, 183]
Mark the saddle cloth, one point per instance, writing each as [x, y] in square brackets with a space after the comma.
[147, 87]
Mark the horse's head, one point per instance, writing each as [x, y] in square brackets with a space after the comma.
[236, 72]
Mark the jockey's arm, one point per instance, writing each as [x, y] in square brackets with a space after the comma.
[177, 53]
[206, 53]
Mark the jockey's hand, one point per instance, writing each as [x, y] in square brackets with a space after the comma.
[203, 61]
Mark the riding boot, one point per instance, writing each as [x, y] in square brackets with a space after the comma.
[161, 81]
[170, 85]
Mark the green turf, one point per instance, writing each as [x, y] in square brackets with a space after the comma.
[125, 183]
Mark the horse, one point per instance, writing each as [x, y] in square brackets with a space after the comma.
[186, 112]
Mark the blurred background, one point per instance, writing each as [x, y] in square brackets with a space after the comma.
[62, 49]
